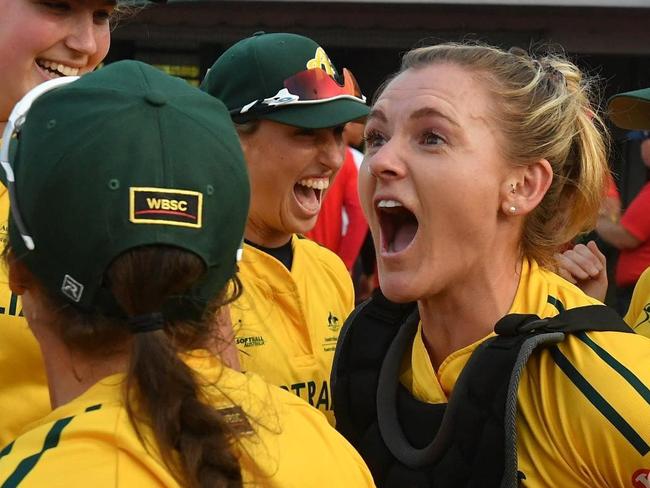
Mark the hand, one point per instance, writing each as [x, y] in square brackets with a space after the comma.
[585, 267]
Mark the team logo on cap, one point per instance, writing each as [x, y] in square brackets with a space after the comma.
[166, 206]
[321, 60]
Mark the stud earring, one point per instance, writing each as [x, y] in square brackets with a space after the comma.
[512, 209]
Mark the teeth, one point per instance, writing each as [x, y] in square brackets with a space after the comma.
[389, 204]
[61, 68]
[315, 183]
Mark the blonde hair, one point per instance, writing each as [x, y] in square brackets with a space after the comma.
[544, 111]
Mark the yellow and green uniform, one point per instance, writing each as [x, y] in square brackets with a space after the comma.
[91, 442]
[287, 322]
[638, 315]
[23, 387]
[583, 405]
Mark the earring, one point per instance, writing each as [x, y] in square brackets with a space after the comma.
[512, 209]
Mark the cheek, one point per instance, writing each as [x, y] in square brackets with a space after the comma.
[103, 42]
[366, 183]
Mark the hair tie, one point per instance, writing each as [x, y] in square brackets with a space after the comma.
[146, 323]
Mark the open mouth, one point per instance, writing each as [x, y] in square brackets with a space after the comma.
[309, 192]
[56, 69]
[398, 225]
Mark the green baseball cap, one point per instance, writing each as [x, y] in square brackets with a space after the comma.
[286, 78]
[630, 110]
[124, 157]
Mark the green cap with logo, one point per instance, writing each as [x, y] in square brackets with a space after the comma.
[286, 78]
[631, 110]
[124, 157]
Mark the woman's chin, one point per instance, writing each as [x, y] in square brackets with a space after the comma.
[397, 290]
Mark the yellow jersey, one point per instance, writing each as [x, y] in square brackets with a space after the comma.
[583, 405]
[91, 442]
[638, 315]
[24, 397]
[287, 322]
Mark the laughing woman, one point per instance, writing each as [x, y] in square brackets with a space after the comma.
[480, 164]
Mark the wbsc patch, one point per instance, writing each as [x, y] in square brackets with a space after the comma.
[165, 206]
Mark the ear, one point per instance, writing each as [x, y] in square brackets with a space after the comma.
[526, 187]
[20, 278]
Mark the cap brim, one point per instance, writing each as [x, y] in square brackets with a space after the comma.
[319, 115]
[630, 110]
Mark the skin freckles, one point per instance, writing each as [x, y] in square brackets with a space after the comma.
[37, 35]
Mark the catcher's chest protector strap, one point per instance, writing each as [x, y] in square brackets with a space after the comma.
[469, 442]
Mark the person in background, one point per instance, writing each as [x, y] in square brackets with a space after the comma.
[630, 235]
[630, 110]
[122, 249]
[289, 104]
[39, 41]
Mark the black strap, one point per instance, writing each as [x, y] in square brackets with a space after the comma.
[597, 318]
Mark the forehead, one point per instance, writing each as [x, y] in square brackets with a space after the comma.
[456, 91]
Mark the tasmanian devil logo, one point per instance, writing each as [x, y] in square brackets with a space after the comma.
[641, 478]
[165, 206]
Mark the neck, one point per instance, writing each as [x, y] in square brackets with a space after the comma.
[264, 236]
[467, 313]
[68, 374]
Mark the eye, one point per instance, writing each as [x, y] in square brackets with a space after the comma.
[430, 138]
[103, 16]
[305, 132]
[374, 139]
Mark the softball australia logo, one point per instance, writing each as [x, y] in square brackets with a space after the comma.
[72, 288]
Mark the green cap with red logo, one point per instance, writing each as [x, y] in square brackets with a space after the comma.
[287, 78]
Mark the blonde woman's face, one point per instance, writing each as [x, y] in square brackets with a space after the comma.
[432, 181]
[44, 39]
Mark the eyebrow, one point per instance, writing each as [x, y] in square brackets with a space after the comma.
[432, 112]
[377, 114]
[418, 114]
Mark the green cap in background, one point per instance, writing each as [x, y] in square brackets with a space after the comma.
[251, 79]
[630, 110]
[127, 156]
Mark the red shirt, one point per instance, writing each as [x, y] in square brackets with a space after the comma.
[328, 231]
[636, 220]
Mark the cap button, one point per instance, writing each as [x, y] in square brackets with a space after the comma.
[155, 98]
[259, 33]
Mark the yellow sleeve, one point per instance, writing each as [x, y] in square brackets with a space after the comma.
[24, 396]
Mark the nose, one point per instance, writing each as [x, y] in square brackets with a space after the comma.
[82, 34]
[386, 162]
[332, 149]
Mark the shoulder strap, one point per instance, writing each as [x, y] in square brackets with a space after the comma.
[588, 318]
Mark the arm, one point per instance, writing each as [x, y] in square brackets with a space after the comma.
[615, 234]
[634, 226]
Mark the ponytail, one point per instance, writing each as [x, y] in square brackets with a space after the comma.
[161, 391]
